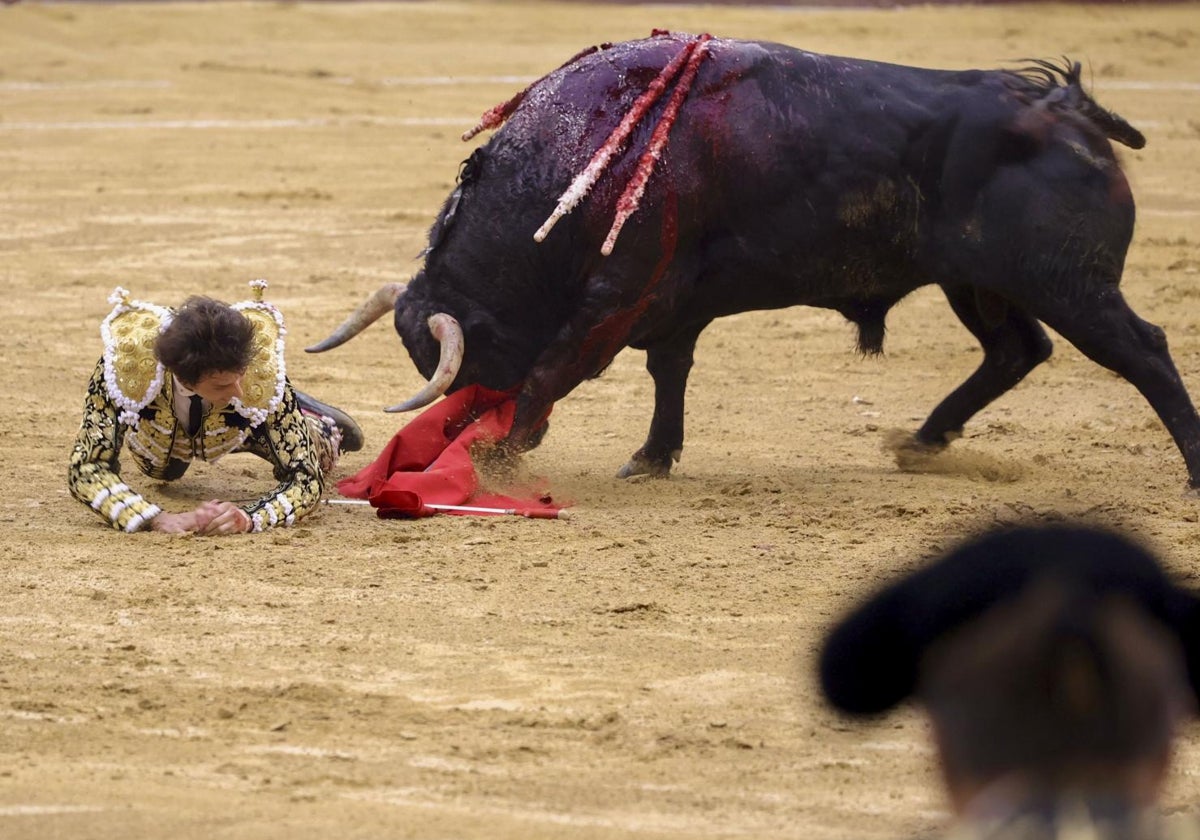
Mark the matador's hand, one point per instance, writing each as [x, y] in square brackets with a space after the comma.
[174, 523]
[222, 518]
[208, 519]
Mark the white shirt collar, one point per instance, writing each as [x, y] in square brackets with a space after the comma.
[181, 403]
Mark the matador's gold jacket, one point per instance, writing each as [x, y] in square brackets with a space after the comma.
[129, 401]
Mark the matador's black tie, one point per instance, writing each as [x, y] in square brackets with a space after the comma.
[195, 415]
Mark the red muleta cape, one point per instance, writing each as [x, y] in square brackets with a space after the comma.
[429, 461]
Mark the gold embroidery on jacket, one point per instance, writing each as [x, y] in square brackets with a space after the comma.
[129, 395]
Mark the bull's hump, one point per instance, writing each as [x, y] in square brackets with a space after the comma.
[574, 108]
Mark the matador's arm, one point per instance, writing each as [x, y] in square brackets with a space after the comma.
[94, 474]
[286, 439]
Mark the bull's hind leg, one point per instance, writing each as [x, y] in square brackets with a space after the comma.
[669, 363]
[1111, 334]
[1013, 344]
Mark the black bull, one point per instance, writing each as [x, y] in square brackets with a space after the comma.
[789, 178]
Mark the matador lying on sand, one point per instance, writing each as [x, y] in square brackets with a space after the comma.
[201, 381]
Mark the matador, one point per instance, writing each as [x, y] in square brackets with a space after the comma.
[199, 382]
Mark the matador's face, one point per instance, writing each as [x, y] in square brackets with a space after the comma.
[219, 387]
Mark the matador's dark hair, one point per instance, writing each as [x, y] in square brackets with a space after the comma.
[206, 336]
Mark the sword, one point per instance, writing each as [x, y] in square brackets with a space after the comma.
[528, 514]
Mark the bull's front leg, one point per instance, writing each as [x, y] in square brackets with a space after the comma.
[582, 349]
[530, 424]
[669, 363]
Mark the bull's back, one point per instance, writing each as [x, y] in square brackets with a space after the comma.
[763, 126]
[755, 109]
[780, 163]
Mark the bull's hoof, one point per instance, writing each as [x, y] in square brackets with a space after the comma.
[505, 454]
[914, 455]
[911, 453]
[641, 464]
[535, 437]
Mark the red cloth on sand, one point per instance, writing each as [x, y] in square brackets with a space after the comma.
[429, 460]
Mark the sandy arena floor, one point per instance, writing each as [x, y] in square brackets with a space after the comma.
[642, 670]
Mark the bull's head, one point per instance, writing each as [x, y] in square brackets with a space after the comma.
[444, 330]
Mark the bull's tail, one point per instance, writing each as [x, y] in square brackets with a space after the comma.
[1060, 87]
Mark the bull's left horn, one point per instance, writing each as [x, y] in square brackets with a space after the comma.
[368, 312]
[448, 334]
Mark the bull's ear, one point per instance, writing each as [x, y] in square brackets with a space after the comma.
[468, 172]
[471, 168]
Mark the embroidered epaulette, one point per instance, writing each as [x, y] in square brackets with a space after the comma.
[263, 385]
[133, 377]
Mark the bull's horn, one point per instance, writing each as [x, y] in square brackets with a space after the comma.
[368, 312]
[448, 334]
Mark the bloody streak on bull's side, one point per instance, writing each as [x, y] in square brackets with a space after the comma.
[775, 177]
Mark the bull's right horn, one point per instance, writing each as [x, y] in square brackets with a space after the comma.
[450, 336]
[368, 312]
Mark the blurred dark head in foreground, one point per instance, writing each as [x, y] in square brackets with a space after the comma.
[1052, 662]
[1056, 694]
